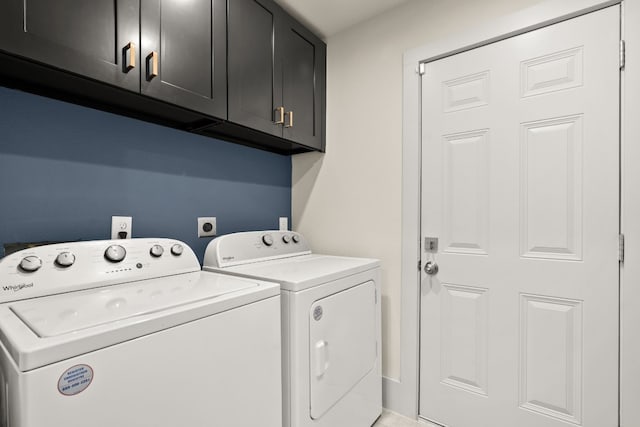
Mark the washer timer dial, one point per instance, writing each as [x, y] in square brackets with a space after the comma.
[115, 253]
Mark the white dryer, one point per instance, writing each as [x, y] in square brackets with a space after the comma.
[131, 333]
[330, 325]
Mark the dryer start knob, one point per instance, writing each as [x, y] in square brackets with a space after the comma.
[115, 253]
[267, 239]
[30, 264]
[296, 238]
[177, 249]
[65, 259]
[286, 238]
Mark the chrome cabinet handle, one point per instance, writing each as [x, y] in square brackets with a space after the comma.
[290, 115]
[431, 268]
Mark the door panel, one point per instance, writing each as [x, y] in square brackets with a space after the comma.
[302, 82]
[520, 182]
[184, 43]
[252, 65]
[88, 38]
[189, 41]
[64, 24]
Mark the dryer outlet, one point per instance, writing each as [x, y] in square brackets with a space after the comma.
[206, 226]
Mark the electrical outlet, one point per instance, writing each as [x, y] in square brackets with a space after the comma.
[121, 227]
[284, 223]
[206, 226]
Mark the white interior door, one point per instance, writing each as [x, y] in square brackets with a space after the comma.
[520, 184]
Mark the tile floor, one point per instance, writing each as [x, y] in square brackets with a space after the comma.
[390, 419]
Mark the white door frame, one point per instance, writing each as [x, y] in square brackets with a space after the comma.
[402, 395]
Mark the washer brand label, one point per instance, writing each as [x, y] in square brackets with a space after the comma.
[75, 380]
[228, 258]
[16, 288]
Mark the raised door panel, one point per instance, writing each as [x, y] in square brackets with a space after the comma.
[184, 53]
[97, 39]
[255, 78]
[303, 85]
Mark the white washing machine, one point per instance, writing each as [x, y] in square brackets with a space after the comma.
[330, 325]
[131, 333]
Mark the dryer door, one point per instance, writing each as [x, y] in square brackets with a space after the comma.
[342, 331]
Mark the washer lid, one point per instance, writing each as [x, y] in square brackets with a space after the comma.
[302, 272]
[66, 313]
[41, 331]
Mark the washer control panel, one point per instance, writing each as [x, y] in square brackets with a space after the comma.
[64, 267]
[254, 246]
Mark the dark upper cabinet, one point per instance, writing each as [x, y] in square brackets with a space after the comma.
[303, 85]
[240, 70]
[183, 53]
[166, 49]
[254, 90]
[276, 73]
[91, 38]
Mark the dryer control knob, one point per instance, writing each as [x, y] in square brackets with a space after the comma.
[296, 238]
[30, 264]
[177, 249]
[115, 253]
[286, 238]
[267, 239]
[65, 259]
[156, 251]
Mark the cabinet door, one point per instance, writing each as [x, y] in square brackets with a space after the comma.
[184, 53]
[304, 69]
[255, 78]
[90, 38]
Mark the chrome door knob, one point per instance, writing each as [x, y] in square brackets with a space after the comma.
[431, 268]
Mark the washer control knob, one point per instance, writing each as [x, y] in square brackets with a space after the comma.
[286, 238]
[156, 251]
[30, 263]
[177, 249]
[296, 238]
[115, 253]
[65, 259]
[267, 239]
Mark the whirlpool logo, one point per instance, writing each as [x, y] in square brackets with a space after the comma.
[17, 288]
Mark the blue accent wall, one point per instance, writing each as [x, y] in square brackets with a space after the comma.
[66, 169]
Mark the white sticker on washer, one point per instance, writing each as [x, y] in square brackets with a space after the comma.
[75, 380]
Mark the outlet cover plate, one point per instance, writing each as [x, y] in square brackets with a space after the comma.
[121, 224]
[202, 222]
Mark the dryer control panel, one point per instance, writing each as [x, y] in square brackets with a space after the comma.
[64, 267]
[254, 246]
